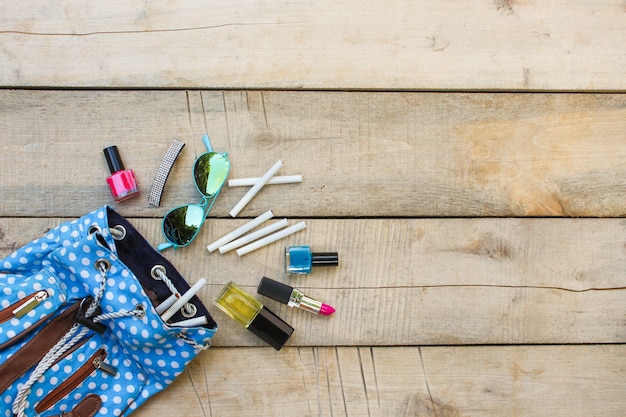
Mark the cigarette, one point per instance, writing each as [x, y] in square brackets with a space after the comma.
[271, 238]
[196, 321]
[254, 236]
[166, 304]
[183, 299]
[255, 189]
[245, 182]
[240, 230]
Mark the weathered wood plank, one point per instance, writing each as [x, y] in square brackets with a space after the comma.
[361, 154]
[422, 281]
[430, 298]
[553, 381]
[512, 45]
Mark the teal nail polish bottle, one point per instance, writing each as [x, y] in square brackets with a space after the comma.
[301, 260]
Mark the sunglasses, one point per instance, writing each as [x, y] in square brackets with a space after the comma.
[182, 224]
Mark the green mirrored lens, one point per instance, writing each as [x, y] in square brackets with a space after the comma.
[181, 224]
[210, 172]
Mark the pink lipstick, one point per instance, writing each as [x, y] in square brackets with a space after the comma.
[293, 298]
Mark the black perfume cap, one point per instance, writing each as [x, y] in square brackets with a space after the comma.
[275, 290]
[271, 328]
[114, 161]
[324, 259]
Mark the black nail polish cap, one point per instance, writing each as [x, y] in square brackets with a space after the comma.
[324, 259]
[114, 161]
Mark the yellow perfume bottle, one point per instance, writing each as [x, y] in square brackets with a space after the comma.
[250, 313]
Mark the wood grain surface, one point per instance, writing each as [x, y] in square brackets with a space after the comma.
[466, 159]
[566, 381]
[360, 154]
[423, 282]
[443, 309]
[348, 44]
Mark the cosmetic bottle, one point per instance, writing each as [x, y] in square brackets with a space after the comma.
[251, 314]
[300, 259]
[292, 297]
[122, 181]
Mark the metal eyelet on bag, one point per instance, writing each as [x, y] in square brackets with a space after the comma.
[100, 239]
[189, 310]
[94, 228]
[118, 232]
[140, 311]
[157, 272]
[102, 265]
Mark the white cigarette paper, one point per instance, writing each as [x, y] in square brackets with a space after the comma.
[255, 189]
[254, 236]
[271, 238]
[283, 179]
[183, 299]
[196, 321]
[166, 304]
[240, 230]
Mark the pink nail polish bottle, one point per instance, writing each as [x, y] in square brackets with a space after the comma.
[122, 181]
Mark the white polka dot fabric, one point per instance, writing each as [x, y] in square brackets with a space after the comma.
[143, 355]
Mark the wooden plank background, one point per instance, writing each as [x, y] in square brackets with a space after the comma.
[346, 44]
[426, 282]
[466, 159]
[425, 154]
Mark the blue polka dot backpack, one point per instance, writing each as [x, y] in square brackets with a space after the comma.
[82, 329]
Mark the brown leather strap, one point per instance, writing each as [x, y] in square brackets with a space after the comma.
[86, 408]
[33, 351]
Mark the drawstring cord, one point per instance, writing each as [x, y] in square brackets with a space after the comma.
[158, 272]
[73, 336]
[78, 331]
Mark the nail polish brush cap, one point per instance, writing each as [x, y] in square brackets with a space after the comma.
[324, 259]
[275, 290]
[113, 159]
